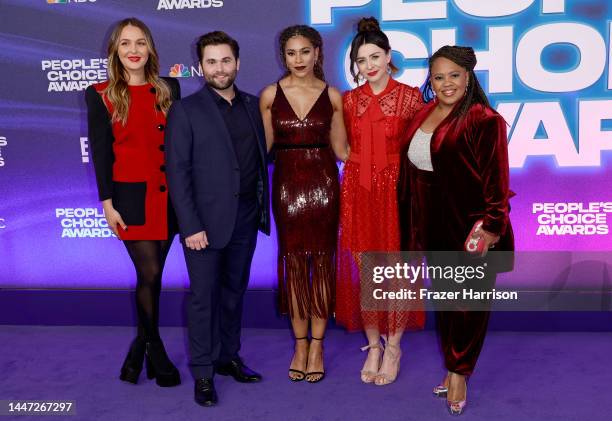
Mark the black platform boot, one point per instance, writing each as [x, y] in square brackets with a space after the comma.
[132, 366]
[159, 365]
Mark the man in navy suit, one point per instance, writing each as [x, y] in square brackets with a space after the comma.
[218, 181]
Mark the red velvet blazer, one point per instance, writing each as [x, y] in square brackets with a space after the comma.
[471, 175]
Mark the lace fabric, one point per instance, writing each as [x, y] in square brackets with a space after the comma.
[369, 219]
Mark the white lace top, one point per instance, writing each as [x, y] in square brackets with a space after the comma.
[419, 151]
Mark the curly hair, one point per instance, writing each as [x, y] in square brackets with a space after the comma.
[311, 35]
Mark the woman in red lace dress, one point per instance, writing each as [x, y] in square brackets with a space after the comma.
[376, 115]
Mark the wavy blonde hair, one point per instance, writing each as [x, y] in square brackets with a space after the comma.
[117, 90]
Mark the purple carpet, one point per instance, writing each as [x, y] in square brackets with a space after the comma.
[520, 376]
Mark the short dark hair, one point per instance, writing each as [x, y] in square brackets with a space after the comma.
[216, 38]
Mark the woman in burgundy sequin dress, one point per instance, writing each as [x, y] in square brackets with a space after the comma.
[303, 120]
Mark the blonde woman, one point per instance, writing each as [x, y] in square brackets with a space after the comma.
[126, 116]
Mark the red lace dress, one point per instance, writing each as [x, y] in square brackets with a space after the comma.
[368, 200]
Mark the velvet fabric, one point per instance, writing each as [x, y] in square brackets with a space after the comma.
[469, 182]
[469, 156]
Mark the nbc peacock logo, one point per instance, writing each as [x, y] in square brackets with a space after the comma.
[179, 70]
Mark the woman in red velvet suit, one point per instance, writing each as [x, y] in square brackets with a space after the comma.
[126, 117]
[454, 173]
[376, 115]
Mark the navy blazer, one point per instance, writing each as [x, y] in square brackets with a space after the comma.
[202, 169]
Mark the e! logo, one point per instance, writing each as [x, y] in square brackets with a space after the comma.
[84, 150]
[3, 142]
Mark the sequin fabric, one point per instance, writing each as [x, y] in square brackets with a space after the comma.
[305, 202]
[369, 213]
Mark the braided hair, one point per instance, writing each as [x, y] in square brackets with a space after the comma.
[311, 35]
[464, 57]
[368, 32]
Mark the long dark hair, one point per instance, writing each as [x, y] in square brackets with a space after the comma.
[311, 35]
[464, 57]
[368, 32]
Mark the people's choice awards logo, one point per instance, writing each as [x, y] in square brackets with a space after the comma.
[179, 70]
[71, 75]
[69, 1]
[83, 223]
[3, 143]
[572, 218]
[188, 4]
[552, 58]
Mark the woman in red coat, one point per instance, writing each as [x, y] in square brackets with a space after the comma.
[376, 115]
[455, 173]
[126, 118]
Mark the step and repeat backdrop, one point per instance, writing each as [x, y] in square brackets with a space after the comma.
[545, 65]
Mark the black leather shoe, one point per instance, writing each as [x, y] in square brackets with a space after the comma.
[240, 372]
[205, 393]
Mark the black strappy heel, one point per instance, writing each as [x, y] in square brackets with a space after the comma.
[313, 373]
[300, 372]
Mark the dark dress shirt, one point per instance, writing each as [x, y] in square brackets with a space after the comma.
[243, 137]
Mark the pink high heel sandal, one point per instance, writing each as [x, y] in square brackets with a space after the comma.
[395, 352]
[456, 408]
[368, 376]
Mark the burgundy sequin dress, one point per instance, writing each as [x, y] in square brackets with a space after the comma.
[305, 194]
[369, 216]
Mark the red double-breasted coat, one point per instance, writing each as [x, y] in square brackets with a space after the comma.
[129, 160]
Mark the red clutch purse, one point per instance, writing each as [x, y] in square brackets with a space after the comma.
[474, 245]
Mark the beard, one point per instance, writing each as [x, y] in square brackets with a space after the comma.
[210, 79]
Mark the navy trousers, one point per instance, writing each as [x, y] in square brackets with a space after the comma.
[218, 280]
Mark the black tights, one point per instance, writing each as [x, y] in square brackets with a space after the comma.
[148, 257]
